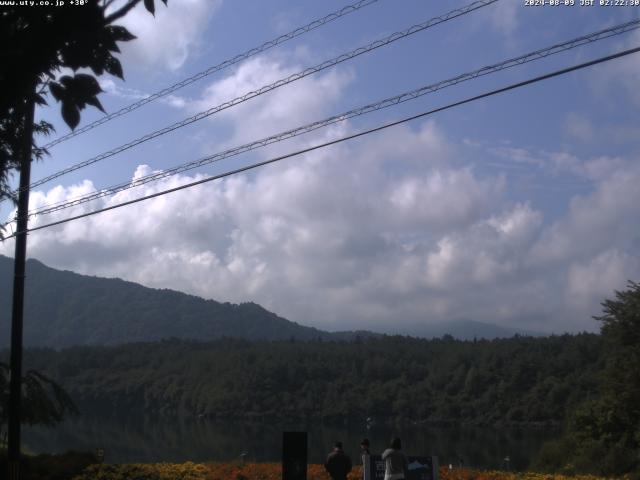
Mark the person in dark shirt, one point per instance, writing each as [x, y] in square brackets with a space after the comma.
[338, 463]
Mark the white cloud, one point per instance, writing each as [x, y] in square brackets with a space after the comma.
[602, 220]
[167, 39]
[442, 200]
[396, 229]
[338, 240]
[487, 252]
[301, 102]
[557, 163]
[518, 155]
[393, 229]
[592, 280]
[296, 238]
[110, 87]
[597, 168]
[116, 89]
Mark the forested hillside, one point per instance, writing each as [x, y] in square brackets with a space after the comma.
[517, 380]
[64, 308]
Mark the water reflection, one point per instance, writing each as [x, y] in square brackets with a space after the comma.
[177, 440]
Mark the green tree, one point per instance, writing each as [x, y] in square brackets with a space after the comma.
[621, 332]
[37, 43]
[44, 402]
[603, 433]
[618, 423]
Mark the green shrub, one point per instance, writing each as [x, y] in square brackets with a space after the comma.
[51, 467]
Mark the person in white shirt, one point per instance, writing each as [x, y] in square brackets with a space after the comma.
[395, 462]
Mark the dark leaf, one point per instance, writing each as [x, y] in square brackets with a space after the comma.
[66, 81]
[77, 53]
[107, 41]
[57, 91]
[39, 99]
[85, 86]
[96, 103]
[70, 114]
[113, 48]
[39, 152]
[43, 128]
[98, 68]
[114, 68]
[150, 5]
[98, 62]
[120, 34]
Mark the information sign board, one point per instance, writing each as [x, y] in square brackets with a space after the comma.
[420, 468]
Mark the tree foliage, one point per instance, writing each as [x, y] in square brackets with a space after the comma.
[603, 433]
[37, 45]
[44, 402]
[521, 380]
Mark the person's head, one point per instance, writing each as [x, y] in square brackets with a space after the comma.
[364, 444]
[396, 444]
[337, 445]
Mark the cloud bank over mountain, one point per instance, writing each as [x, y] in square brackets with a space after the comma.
[364, 235]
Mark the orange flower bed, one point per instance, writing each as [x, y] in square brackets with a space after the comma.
[273, 471]
[468, 474]
[266, 471]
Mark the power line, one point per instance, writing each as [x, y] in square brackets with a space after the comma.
[216, 68]
[388, 102]
[267, 88]
[345, 138]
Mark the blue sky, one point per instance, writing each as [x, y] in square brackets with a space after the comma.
[520, 210]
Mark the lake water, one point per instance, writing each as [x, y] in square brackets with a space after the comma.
[175, 440]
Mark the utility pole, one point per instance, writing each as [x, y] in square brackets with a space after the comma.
[15, 386]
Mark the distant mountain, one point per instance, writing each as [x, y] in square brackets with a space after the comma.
[468, 330]
[64, 308]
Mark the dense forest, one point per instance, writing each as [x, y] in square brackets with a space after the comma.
[506, 381]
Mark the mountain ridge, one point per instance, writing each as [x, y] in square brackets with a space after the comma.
[64, 308]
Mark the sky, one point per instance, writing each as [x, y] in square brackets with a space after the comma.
[519, 210]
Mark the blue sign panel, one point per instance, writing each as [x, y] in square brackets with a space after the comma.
[420, 468]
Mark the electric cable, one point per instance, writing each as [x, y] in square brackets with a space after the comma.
[458, 12]
[513, 86]
[372, 107]
[216, 68]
